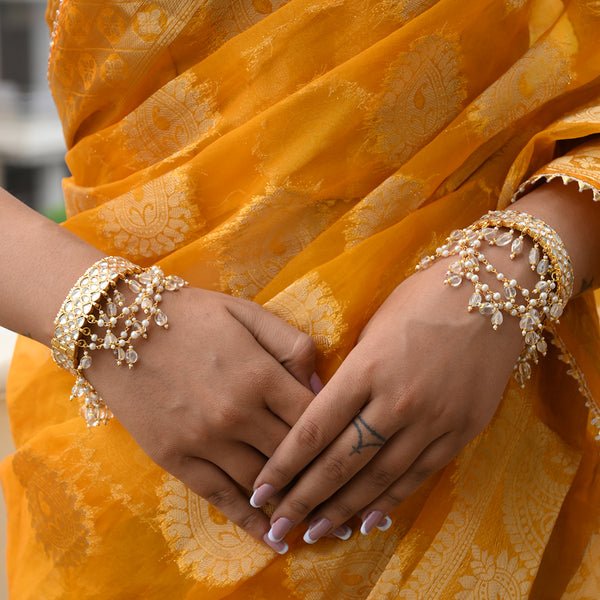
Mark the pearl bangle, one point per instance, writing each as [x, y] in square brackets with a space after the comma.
[534, 308]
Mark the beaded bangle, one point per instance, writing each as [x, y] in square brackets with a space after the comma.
[94, 304]
[548, 258]
[83, 298]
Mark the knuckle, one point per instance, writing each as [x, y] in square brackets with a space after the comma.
[310, 436]
[420, 473]
[404, 405]
[344, 511]
[304, 348]
[250, 521]
[222, 498]
[228, 416]
[381, 478]
[336, 469]
[393, 497]
[258, 375]
[277, 475]
[299, 506]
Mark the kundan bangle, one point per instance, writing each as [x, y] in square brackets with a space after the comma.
[92, 315]
[534, 308]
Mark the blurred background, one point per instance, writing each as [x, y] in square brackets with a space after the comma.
[31, 152]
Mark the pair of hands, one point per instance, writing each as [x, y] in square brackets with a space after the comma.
[229, 386]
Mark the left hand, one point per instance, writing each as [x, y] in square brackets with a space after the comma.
[424, 379]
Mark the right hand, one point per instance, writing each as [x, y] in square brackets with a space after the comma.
[211, 398]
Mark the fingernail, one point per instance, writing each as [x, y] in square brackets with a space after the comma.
[315, 383]
[280, 529]
[384, 524]
[343, 532]
[370, 521]
[316, 530]
[261, 494]
[279, 547]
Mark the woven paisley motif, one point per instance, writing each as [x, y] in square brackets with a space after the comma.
[424, 91]
[150, 221]
[539, 76]
[205, 541]
[58, 518]
[179, 114]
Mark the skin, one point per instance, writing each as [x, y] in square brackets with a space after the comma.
[207, 411]
[402, 404]
[250, 375]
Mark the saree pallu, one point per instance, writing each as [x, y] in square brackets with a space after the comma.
[305, 155]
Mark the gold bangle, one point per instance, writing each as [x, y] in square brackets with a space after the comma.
[83, 298]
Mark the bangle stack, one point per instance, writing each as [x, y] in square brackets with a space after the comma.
[535, 308]
[95, 305]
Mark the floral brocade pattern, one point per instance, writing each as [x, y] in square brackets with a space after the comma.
[180, 114]
[60, 522]
[151, 220]
[310, 306]
[339, 573]
[304, 153]
[214, 549]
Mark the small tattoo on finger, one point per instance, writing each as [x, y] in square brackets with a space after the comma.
[367, 436]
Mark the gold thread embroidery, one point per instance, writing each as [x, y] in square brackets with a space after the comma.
[178, 115]
[533, 497]
[424, 92]
[152, 220]
[386, 205]
[340, 573]
[266, 234]
[494, 578]
[60, 523]
[586, 582]
[533, 80]
[309, 305]
[475, 488]
[204, 540]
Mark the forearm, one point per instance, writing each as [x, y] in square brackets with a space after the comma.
[39, 263]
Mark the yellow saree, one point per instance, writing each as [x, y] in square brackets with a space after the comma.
[305, 155]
